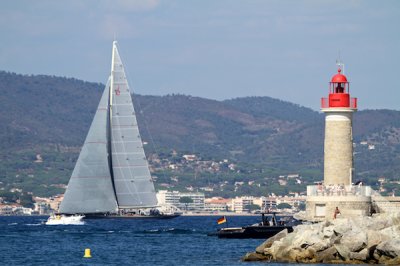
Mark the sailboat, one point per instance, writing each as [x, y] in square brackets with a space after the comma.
[111, 177]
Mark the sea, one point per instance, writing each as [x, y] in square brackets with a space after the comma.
[26, 240]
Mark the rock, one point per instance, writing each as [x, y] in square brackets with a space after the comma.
[362, 255]
[301, 255]
[395, 261]
[327, 255]
[345, 240]
[378, 224]
[273, 250]
[391, 232]
[389, 248]
[343, 251]
[268, 243]
[301, 216]
[341, 226]
[253, 256]
[335, 239]
[322, 245]
[396, 218]
[355, 240]
[328, 232]
[374, 238]
[281, 253]
[306, 238]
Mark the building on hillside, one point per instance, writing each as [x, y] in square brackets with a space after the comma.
[189, 157]
[14, 209]
[43, 208]
[175, 198]
[47, 205]
[216, 204]
[19, 210]
[241, 204]
[6, 209]
[268, 203]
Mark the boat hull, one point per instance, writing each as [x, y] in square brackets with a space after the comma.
[258, 232]
[133, 216]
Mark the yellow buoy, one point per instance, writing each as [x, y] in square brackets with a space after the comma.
[87, 253]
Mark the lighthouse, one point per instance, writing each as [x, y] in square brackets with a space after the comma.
[336, 191]
[338, 146]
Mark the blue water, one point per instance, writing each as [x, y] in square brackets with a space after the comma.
[179, 241]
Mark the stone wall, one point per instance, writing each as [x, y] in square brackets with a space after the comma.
[322, 207]
[382, 204]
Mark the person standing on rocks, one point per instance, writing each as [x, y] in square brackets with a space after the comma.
[336, 213]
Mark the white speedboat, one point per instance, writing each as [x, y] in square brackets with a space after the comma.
[61, 219]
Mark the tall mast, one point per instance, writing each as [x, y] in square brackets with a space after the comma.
[112, 75]
[109, 135]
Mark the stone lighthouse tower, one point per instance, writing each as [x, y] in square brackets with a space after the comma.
[336, 191]
[338, 147]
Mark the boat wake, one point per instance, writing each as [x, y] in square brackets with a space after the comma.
[171, 231]
[33, 224]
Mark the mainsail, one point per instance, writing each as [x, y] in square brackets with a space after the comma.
[132, 180]
[101, 183]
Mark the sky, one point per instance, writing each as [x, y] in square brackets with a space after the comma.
[215, 49]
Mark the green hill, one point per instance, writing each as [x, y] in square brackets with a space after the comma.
[45, 120]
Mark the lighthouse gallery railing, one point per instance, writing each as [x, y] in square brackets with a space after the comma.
[338, 190]
[325, 103]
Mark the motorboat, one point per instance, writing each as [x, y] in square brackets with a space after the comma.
[61, 219]
[269, 226]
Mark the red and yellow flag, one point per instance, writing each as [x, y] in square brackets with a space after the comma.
[221, 220]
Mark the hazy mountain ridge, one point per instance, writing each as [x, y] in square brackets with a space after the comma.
[43, 112]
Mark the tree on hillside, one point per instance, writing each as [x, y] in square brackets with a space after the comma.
[186, 201]
[283, 205]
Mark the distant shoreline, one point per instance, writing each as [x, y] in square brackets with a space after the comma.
[228, 214]
[184, 214]
[220, 214]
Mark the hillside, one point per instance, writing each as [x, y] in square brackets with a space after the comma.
[45, 120]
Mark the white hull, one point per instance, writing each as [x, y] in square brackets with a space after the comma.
[65, 220]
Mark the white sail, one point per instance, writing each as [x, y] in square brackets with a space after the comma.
[132, 181]
[90, 189]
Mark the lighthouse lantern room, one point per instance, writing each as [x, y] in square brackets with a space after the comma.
[339, 93]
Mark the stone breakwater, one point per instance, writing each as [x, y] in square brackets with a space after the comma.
[363, 240]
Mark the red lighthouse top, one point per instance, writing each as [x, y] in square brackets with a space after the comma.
[339, 93]
[339, 78]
